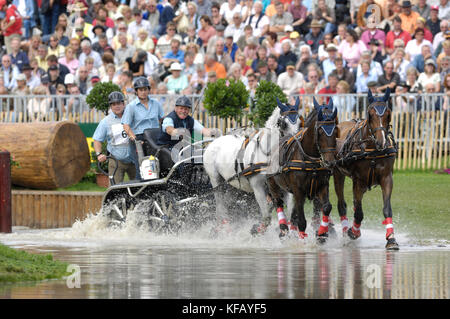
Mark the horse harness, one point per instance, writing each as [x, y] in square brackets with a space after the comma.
[309, 164]
[354, 148]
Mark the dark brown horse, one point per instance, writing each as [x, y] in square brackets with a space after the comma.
[366, 154]
[304, 171]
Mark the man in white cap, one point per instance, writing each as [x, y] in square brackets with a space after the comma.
[290, 81]
[176, 82]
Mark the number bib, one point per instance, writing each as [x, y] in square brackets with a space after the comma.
[119, 136]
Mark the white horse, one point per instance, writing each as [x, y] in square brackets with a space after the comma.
[228, 156]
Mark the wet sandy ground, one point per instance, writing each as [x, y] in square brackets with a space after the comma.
[131, 263]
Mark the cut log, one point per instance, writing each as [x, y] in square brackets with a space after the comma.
[50, 154]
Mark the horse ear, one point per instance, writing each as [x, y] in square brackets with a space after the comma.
[320, 115]
[330, 103]
[370, 96]
[297, 103]
[281, 106]
[387, 94]
[316, 105]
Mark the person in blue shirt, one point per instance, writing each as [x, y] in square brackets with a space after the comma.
[174, 55]
[364, 78]
[111, 130]
[140, 114]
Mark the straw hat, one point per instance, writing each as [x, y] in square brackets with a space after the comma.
[315, 24]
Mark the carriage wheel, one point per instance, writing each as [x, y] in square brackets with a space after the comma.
[117, 210]
[163, 213]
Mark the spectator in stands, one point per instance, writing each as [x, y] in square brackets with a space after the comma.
[55, 48]
[290, 81]
[300, 17]
[430, 75]
[396, 33]
[422, 8]
[228, 9]
[264, 73]
[86, 47]
[235, 29]
[445, 68]
[9, 71]
[54, 78]
[342, 101]
[42, 57]
[272, 64]
[135, 64]
[364, 78]
[18, 56]
[272, 45]
[211, 64]
[421, 23]
[69, 60]
[261, 55]
[221, 56]
[188, 65]
[389, 79]
[434, 23]
[373, 33]
[11, 24]
[168, 15]
[31, 80]
[39, 105]
[152, 16]
[322, 53]
[305, 59]
[330, 88]
[341, 34]
[176, 82]
[409, 17]
[175, 54]
[207, 31]
[82, 79]
[123, 52]
[258, 20]
[287, 55]
[315, 37]
[411, 81]
[203, 7]
[251, 49]
[326, 16]
[230, 48]
[216, 17]
[138, 23]
[400, 63]
[444, 10]
[280, 20]
[235, 73]
[414, 46]
[53, 60]
[351, 49]
[163, 43]
[419, 61]
[328, 65]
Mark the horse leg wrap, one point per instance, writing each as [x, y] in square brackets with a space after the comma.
[354, 232]
[323, 229]
[281, 216]
[389, 227]
[302, 235]
[345, 224]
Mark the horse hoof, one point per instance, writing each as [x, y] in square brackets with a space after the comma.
[353, 235]
[258, 230]
[332, 231]
[284, 231]
[392, 244]
[322, 238]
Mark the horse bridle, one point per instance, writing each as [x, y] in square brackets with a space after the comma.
[281, 123]
[380, 108]
[322, 125]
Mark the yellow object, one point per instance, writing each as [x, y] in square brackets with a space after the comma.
[90, 143]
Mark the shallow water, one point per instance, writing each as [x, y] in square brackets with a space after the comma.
[132, 263]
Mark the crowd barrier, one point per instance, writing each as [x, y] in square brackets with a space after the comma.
[420, 122]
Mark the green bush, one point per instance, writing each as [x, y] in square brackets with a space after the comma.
[265, 102]
[226, 98]
[98, 97]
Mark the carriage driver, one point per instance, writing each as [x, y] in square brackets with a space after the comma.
[179, 120]
[112, 130]
[141, 114]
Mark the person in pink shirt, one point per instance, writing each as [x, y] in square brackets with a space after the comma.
[206, 31]
[351, 49]
[373, 33]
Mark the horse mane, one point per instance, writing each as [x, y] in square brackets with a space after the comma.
[311, 117]
[272, 120]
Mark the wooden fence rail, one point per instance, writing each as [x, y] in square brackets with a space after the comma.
[52, 209]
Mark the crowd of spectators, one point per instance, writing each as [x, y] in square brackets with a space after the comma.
[305, 46]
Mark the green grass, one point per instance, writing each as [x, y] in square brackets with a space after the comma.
[17, 265]
[83, 186]
[420, 205]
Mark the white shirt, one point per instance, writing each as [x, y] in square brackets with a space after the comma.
[227, 13]
[413, 49]
[235, 31]
[289, 84]
[133, 28]
[262, 23]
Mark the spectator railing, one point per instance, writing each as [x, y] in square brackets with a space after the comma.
[420, 122]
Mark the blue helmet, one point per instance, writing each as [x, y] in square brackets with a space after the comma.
[183, 101]
[116, 96]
